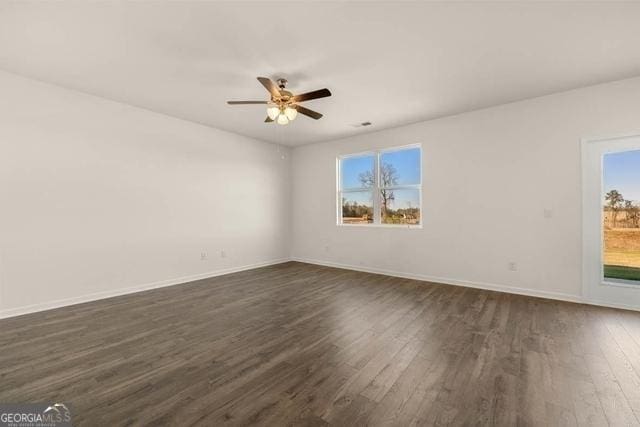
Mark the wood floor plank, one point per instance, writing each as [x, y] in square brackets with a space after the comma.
[625, 341]
[619, 364]
[299, 344]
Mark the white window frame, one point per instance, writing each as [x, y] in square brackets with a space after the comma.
[376, 189]
[596, 288]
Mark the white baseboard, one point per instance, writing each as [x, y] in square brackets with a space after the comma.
[469, 284]
[19, 311]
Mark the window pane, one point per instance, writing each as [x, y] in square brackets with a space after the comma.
[400, 167]
[357, 207]
[356, 172]
[621, 204]
[400, 206]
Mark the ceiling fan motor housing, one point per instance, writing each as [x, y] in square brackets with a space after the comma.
[282, 83]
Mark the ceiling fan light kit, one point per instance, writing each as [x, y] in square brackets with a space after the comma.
[283, 106]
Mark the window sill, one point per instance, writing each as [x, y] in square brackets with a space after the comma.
[400, 226]
[621, 283]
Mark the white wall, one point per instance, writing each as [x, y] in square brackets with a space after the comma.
[488, 177]
[99, 198]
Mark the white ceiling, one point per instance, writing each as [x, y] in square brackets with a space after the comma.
[390, 63]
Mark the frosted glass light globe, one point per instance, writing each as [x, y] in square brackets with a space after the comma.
[291, 113]
[273, 111]
[282, 119]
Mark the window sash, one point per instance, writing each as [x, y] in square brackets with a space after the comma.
[364, 154]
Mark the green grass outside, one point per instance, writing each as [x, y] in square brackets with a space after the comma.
[621, 272]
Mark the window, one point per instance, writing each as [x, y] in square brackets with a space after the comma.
[381, 187]
[610, 233]
[621, 216]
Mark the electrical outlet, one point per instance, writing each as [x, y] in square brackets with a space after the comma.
[203, 256]
[223, 254]
[548, 213]
[326, 248]
[513, 266]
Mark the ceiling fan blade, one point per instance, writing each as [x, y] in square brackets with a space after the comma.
[321, 93]
[268, 120]
[307, 112]
[246, 102]
[270, 86]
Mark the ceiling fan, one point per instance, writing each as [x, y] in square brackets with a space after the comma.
[283, 106]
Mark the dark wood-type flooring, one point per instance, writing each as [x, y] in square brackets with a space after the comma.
[297, 344]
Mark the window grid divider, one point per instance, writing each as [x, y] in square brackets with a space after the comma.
[377, 217]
